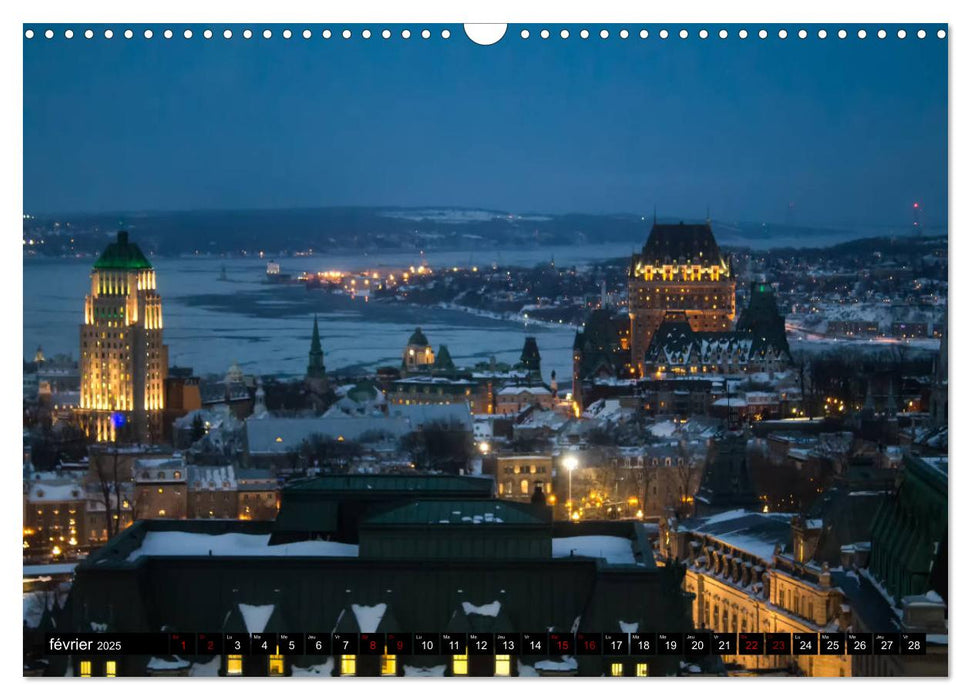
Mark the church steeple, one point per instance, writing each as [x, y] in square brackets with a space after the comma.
[315, 367]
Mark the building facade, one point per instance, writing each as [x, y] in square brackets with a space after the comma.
[123, 361]
[679, 269]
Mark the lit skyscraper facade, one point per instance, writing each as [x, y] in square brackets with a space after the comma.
[123, 360]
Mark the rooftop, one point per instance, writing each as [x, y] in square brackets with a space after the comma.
[468, 513]
[122, 255]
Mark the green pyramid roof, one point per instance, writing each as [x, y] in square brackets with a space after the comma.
[443, 360]
[122, 255]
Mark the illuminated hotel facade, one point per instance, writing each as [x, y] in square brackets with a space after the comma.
[123, 360]
[680, 269]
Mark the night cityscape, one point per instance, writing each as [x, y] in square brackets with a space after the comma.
[348, 415]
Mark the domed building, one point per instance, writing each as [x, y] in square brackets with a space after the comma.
[418, 354]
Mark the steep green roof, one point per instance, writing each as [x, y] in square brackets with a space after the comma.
[443, 360]
[122, 255]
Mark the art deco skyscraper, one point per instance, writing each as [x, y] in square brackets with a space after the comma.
[123, 360]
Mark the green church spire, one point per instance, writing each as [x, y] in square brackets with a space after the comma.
[315, 368]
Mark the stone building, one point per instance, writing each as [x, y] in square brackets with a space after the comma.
[123, 361]
[517, 476]
[211, 492]
[679, 269]
[161, 488]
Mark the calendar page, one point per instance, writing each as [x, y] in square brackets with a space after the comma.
[552, 348]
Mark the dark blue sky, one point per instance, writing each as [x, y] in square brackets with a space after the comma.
[849, 131]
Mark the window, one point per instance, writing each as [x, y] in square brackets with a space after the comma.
[85, 669]
[524, 485]
[502, 664]
[234, 665]
[348, 665]
[616, 669]
[276, 665]
[460, 665]
[389, 665]
[641, 671]
[111, 669]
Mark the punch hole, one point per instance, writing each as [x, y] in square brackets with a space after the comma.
[487, 34]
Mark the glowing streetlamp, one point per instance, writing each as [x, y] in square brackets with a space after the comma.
[570, 462]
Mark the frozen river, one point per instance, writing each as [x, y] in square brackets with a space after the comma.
[210, 322]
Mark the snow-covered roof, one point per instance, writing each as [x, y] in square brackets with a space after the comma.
[616, 550]
[159, 664]
[489, 610]
[212, 478]
[54, 491]
[195, 544]
[518, 390]
[369, 616]
[255, 616]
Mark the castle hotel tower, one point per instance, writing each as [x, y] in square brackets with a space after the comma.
[681, 270]
[123, 360]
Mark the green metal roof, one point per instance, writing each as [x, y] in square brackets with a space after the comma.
[301, 516]
[408, 483]
[122, 255]
[469, 513]
[418, 338]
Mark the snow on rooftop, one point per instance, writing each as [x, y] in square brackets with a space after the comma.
[568, 663]
[489, 610]
[369, 616]
[420, 671]
[324, 669]
[727, 515]
[616, 550]
[209, 668]
[255, 616]
[665, 429]
[61, 490]
[158, 664]
[233, 544]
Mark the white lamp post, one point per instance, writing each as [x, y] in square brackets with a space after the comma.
[570, 462]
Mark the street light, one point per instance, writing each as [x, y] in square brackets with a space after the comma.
[570, 462]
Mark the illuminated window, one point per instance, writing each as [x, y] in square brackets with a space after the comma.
[616, 669]
[460, 665]
[111, 669]
[641, 670]
[524, 486]
[234, 665]
[276, 665]
[348, 665]
[389, 665]
[85, 669]
[502, 664]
